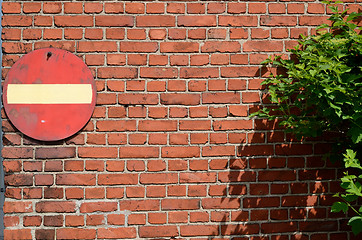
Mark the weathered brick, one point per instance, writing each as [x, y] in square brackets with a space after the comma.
[75, 179]
[158, 231]
[55, 206]
[55, 152]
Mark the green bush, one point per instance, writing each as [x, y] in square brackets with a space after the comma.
[320, 91]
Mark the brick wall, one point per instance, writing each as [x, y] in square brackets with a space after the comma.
[170, 151]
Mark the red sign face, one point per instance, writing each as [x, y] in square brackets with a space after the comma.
[49, 94]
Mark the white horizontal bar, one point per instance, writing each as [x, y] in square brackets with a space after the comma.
[49, 94]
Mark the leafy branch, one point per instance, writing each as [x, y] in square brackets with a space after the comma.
[320, 91]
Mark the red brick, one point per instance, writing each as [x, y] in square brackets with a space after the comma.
[117, 233]
[33, 34]
[295, 8]
[278, 21]
[216, 7]
[90, 207]
[196, 21]
[278, 227]
[76, 233]
[276, 8]
[113, 7]
[94, 193]
[138, 152]
[155, 8]
[238, 21]
[32, 166]
[115, 33]
[199, 230]
[98, 152]
[73, 21]
[55, 206]
[74, 221]
[221, 46]
[312, 20]
[53, 193]
[76, 179]
[299, 201]
[184, 204]
[176, 8]
[116, 219]
[315, 226]
[11, 34]
[117, 179]
[137, 219]
[180, 99]
[139, 205]
[11, 221]
[263, 46]
[17, 234]
[179, 47]
[177, 165]
[199, 73]
[114, 21]
[11, 152]
[258, 33]
[71, 33]
[134, 7]
[236, 7]
[199, 217]
[197, 177]
[197, 33]
[258, 202]
[177, 152]
[52, 7]
[240, 229]
[316, 8]
[155, 72]
[18, 180]
[157, 192]
[257, 8]
[231, 125]
[135, 192]
[293, 149]
[277, 176]
[158, 231]
[237, 176]
[155, 21]
[55, 221]
[99, 46]
[196, 8]
[55, 152]
[221, 97]
[157, 126]
[73, 7]
[12, 166]
[176, 190]
[94, 220]
[11, 7]
[32, 221]
[244, 71]
[17, 207]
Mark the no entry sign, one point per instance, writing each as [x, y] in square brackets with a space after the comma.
[49, 94]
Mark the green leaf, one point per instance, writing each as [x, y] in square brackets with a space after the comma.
[349, 197]
[355, 189]
[339, 206]
[356, 223]
[350, 160]
[353, 16]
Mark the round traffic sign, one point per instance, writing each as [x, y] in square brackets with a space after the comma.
[49, 94]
